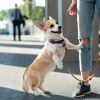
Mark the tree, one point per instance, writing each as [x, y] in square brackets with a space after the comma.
[4, 14]
[39, 13]
[28, 8]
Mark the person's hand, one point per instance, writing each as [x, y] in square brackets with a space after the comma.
[72, 9]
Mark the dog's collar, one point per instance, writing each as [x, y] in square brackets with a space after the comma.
[62, 41]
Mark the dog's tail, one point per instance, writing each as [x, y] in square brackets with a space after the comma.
[26, 83]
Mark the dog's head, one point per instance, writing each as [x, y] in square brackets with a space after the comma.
[50, 27]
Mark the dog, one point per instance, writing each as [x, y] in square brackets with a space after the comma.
[50, 56]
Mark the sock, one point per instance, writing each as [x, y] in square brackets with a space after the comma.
[86, 84]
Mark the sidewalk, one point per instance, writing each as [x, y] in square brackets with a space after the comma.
[15, 56]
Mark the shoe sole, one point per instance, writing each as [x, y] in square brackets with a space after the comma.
[83, 94]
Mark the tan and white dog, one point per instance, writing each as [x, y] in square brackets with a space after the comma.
[50, 56]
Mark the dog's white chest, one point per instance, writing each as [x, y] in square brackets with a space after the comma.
[60, 52]
[57, 49]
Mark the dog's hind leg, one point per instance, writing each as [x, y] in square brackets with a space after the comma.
[26, 84]
[34, 85]
[41, 87]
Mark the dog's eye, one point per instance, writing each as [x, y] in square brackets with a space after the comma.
[51, 25]
[56, 22]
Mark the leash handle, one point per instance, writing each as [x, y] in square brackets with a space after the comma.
[90, 78]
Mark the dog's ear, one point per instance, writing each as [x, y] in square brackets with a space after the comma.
[40, 24]
[50, 18]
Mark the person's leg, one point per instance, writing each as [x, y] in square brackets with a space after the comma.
[85, 14]
[86, 74]
[98, 6]
[14, 30]
[85, 57]
[19, 32]
[85, 18]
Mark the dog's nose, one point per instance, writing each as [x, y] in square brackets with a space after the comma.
[59, 27]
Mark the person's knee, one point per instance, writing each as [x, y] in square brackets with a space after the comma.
[85, 41]
[87, 45]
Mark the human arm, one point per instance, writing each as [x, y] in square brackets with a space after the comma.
[73, 8]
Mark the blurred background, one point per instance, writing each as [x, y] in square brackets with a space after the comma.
[31, 9]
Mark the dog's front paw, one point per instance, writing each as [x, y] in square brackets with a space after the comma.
[58, 61]
[60, 65]
[79, 47]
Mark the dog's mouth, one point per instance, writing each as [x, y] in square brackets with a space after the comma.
[58, 32]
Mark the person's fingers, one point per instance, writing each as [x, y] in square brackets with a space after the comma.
[75, 9]
[72, 13]
[70, 8]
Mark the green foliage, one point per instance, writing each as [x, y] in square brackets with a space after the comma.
[23, 11]
[4, 14]
[39, 13]
[27, 9]
[32, 11]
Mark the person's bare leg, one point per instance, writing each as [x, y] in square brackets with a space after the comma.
[85, 76]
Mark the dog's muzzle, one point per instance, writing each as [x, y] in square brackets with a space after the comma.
[59, 30]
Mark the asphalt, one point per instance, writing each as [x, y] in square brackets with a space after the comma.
[15, 56]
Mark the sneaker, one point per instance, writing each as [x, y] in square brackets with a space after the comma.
[82, 90]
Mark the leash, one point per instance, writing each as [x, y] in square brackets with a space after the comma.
[63, 43]
[90, 78]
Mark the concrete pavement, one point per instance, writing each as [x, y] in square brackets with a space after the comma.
[15, 56]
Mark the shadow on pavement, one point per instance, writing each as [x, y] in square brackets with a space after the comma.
[74, 66]
[20, 60]
[22, 46]
[93, 96]
[11, 94]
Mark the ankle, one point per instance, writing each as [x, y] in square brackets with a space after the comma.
[86, 83]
